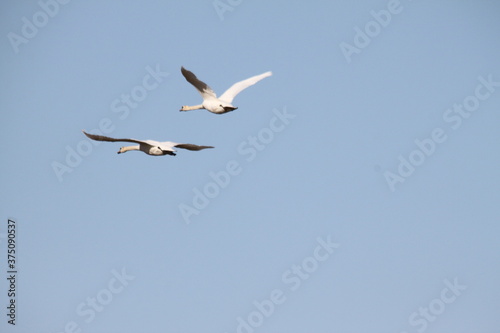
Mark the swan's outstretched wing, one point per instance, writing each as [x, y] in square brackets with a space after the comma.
[108, 139]
[236, 88]
[201, 86]
[190, 146]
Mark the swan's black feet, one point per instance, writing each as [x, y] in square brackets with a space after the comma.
[168, 152]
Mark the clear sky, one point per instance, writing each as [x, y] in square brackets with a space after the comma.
[354, 190]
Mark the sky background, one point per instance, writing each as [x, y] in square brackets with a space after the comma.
[323, 175]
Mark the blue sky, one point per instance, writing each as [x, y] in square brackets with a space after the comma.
[355, 190]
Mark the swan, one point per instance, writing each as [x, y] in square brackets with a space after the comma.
[223, 103]
[149, 147]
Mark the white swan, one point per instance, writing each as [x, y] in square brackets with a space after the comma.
[223, 103]
[150, 147]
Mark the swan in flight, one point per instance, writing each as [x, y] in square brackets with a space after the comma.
[150, 147]
[223, 103]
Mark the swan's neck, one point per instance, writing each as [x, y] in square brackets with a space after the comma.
[127, 148]
[189, 108]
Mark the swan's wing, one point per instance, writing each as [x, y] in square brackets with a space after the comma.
[201, 86]
[108, 139]
[236, 88]
[190, 146]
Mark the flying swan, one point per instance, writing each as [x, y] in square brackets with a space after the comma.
[223, 103]
[150, 147]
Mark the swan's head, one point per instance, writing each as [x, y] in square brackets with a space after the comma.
[121, 150]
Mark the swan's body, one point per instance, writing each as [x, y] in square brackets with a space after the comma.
[223, 103]
[149, 147]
